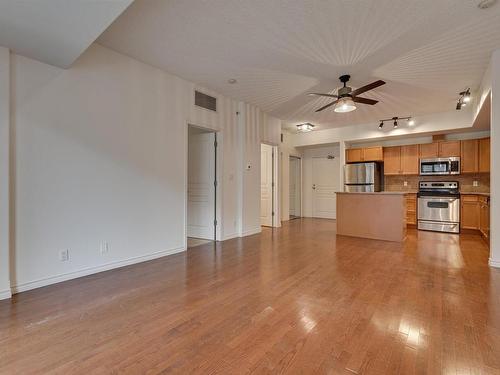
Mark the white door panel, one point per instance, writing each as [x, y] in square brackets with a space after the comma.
[266, 188]
[326, 181]
[201, 189]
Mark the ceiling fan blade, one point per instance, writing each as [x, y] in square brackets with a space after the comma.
[357, 99]
[368, 87]
[319, 94]
[326, 106]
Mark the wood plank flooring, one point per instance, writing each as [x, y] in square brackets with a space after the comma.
[293, 300]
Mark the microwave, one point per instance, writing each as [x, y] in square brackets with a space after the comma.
[439, 166]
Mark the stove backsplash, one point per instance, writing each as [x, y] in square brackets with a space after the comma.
[466, 181]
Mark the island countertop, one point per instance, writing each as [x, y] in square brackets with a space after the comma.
[378, 216]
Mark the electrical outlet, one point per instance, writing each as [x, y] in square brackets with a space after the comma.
[104, 247]
[475, 183]
[64, 255]
[405, 183]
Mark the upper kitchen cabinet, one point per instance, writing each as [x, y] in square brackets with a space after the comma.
[469, 158]
[429, 150]
[409, 159]
[484, 155]
[392, 160]
[356, 155]
[401, 160]
[449, 149]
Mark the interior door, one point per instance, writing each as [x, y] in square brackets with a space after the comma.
[201, 186]
[266, 185]
[295, 187]
[326, 181]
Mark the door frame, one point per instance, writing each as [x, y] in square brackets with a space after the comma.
[218, 157]
[275, 196]
[300, 184]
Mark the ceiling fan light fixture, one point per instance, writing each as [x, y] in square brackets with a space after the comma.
[344, 105]
[306, 127]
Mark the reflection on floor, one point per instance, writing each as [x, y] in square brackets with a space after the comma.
[297, 299]
[192, 242]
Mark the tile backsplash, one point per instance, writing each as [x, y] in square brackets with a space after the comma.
[466, 181]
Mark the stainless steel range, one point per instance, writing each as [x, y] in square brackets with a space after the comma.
[439, 206]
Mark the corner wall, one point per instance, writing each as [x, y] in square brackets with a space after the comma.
[4, 172]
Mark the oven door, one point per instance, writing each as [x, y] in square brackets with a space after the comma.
[445, 209]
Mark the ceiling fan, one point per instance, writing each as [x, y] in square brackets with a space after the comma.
[347, 97]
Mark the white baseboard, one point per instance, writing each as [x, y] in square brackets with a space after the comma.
[250, 232]
[229, 236]
[5, 294]
[494, 263]
[91, 270]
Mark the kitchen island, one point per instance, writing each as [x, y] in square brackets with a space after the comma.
[378, 216]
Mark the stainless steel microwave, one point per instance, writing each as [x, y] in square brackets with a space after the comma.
[439, 166]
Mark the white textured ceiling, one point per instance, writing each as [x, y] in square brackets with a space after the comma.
[278, 50]
[55, 31]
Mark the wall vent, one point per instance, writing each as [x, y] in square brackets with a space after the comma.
[205, 101]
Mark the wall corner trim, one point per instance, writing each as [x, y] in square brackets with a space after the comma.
[92, 270]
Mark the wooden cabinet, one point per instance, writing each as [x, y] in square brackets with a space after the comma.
[429, 150]
[373, 154]
[469, 158]
[484, 155]
[392, 160]
[356, 155]
[449, 149]
[470, 211]
[409, 159]
[484, 216]
[411, 209]
[401, 160]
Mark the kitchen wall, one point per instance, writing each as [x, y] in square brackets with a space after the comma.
[396, 183]
[100, 154]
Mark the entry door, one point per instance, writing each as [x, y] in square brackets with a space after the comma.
[201, 185]
[266, 185]
[326, 181]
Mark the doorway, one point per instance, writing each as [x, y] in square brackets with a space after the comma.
[325, 183]
[295, 187]
[268, 189]
[201, 186]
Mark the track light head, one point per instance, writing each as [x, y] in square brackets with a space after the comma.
[395, 124]
[381, 125]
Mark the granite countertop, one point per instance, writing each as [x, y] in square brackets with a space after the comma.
[475, 193]
[373, 193]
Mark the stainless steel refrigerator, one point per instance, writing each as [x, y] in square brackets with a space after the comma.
[362, 177]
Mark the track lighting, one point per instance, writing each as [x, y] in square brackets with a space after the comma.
[463, 99]
[395, 120]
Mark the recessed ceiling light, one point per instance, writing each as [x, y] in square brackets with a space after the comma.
[232, 81]
[485, 4]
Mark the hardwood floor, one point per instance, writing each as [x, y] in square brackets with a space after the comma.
[296, 300]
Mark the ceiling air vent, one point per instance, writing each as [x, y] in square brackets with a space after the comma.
[205, 101]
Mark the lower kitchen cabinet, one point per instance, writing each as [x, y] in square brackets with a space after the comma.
[411, 209]
[484, 216]
[469, 215]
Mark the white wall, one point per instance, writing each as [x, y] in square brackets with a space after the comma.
[4, 171]
[495, 160]
[307, 179]
[101, 154]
